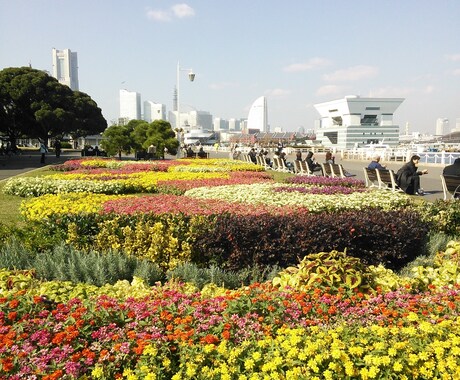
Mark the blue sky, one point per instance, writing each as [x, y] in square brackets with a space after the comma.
[295, 52]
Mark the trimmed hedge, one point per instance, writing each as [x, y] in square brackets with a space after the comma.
[374, 236]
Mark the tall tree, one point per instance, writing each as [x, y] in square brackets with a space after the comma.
[34, 104]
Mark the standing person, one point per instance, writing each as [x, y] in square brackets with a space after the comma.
[375, 163]
[57, 148]
[43, 151]
[408, 176]
[453, 169]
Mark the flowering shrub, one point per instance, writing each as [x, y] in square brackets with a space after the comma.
[46, 206]
[265, 193]
[173, 332]
[326, 181]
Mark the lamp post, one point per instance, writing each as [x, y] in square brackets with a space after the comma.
[191, 77]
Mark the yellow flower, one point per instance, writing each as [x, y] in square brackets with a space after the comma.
[397, 366]
[97, 372]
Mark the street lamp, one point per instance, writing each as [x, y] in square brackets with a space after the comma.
[191, 77]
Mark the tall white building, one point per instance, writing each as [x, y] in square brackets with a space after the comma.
[130, 105]
[154, 111]
[354, 121]
[65, 67]
[258, 115]
[442, 125]
[234, 124]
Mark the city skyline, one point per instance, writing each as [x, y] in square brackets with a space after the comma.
[296, 54]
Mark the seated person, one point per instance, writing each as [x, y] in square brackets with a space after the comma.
[330, 159]
[298, 155]
[375, 163]
[252, 155]
[202, 153]
[288, 165]
[312, 164]
[190, 152]
[453, 169]
[408, 177]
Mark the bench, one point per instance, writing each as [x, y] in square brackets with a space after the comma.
[371, 177]
[387, 180]
[450, 186]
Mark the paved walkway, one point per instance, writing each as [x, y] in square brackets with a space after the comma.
[15, 165]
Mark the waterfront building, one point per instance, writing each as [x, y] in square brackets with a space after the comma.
[154, 111]
[354, 122]
[65, 67]
[130, 105]
[258, 115]
[442, 125]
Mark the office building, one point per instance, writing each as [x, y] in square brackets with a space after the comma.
[65, 67]
[130, 105]
[154, 111]
[353, 121]
[442, 126]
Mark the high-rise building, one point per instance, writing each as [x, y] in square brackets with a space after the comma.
[234, 124]
[154, 111]
[258, 115]
[220, 124]
[442, 125]
[65, 67]
[130, 105]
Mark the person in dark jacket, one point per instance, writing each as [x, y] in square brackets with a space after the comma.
[312, 164]
[408, 176]
[453, 169]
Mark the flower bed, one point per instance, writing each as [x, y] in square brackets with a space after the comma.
[329, 318]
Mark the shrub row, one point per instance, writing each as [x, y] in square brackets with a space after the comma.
[234, 242]
[376, 237]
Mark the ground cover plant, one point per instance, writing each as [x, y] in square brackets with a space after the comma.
[332, 309]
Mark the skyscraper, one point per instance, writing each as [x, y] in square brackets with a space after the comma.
[258, 115]
[65, 67]
[130, 105]
[154, 111]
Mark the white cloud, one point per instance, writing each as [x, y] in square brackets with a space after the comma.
[453, 57]
[329, 90]
[352, 74]
[176, 11]
[456, 72]
[183, 10]
[277, 92]
[159, 15]
[311, 64]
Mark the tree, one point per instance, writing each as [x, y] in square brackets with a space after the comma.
[34, 104]
[159, 133]
[116, 139]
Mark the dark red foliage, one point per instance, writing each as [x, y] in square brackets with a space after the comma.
[376, 237]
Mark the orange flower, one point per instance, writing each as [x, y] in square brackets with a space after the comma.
[7, 364]
[226, 334]
[13, 304]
